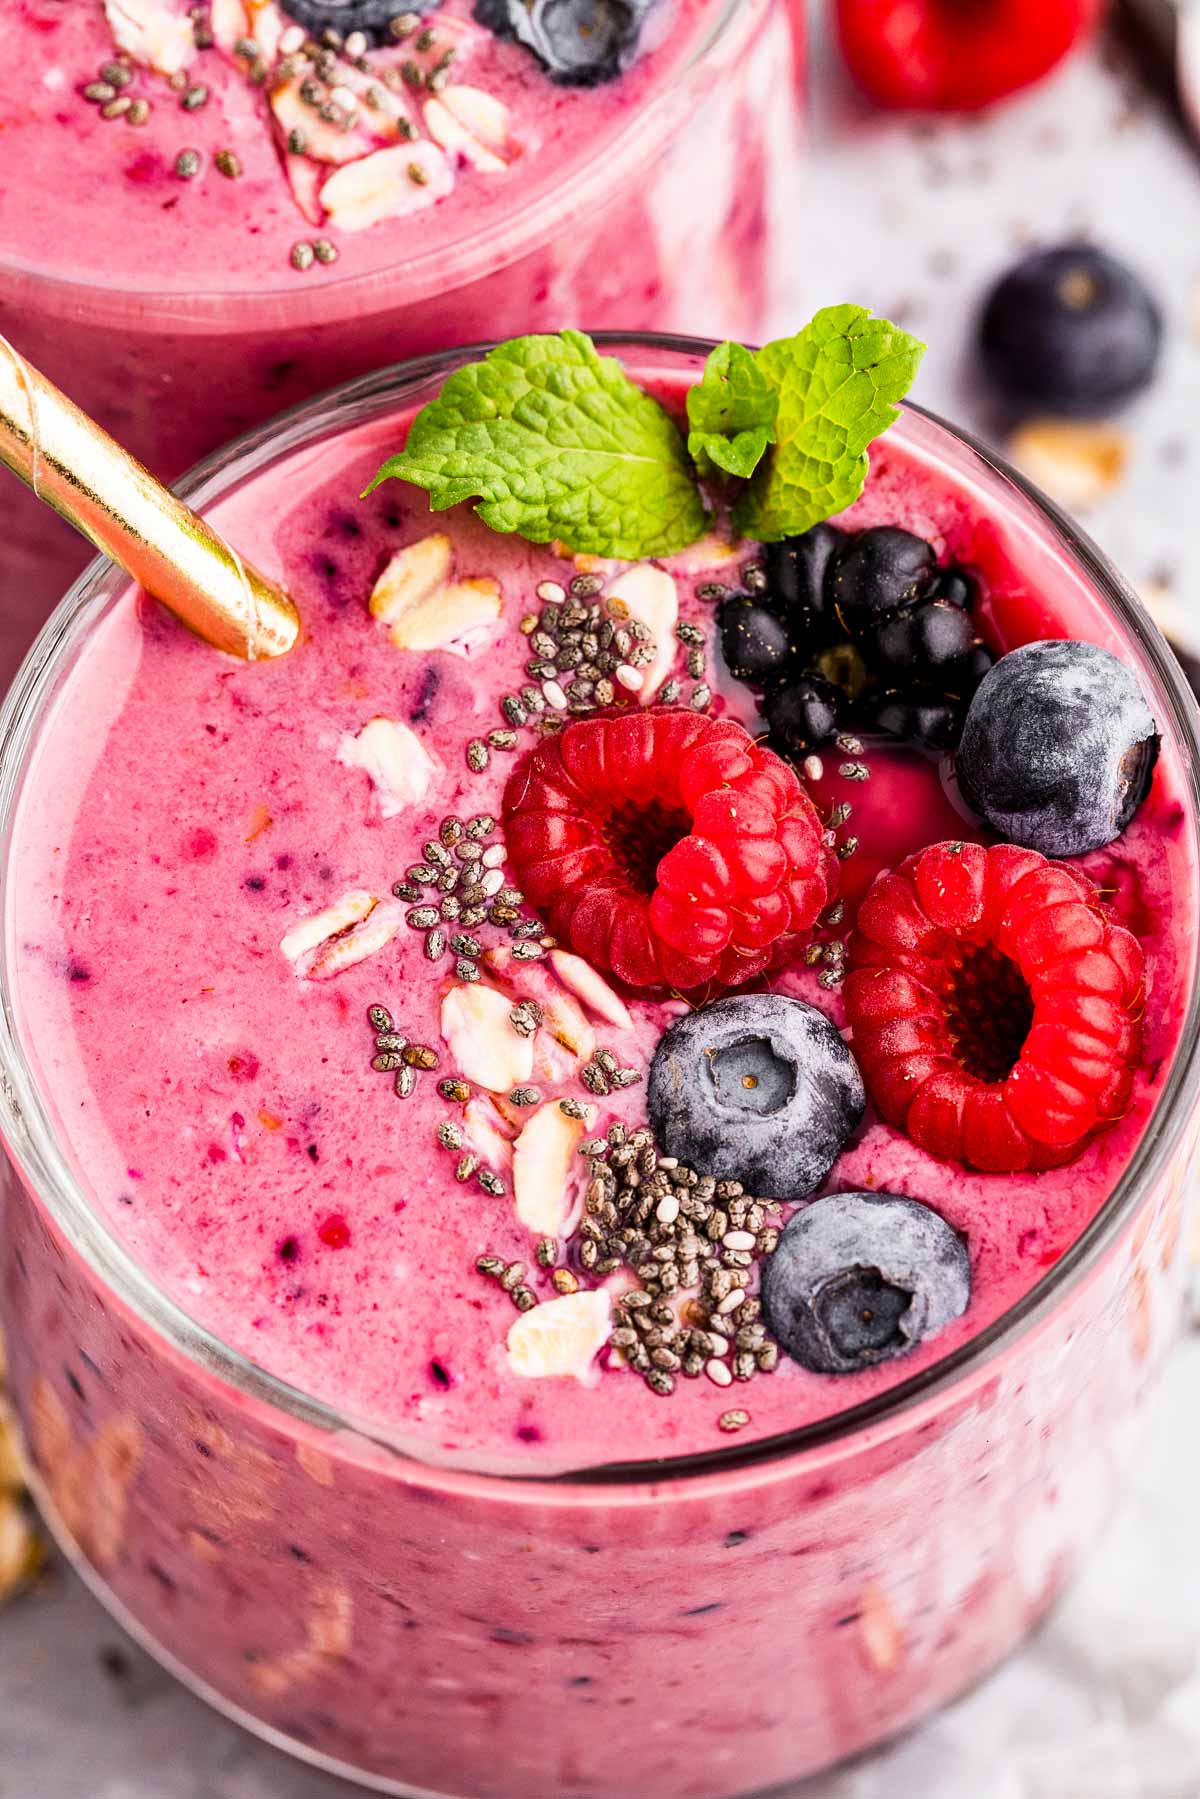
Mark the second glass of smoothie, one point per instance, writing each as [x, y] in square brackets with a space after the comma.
[252, 201]
[277, 1237]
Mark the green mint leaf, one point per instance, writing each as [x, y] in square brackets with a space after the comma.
[731, 411]
[555, 441]
[838, 382]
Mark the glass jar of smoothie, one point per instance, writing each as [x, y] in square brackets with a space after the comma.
[263, 1307]
[236, 222]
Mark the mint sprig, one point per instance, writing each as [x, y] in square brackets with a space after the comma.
[838, 383]
[553, 441]
[731, 411]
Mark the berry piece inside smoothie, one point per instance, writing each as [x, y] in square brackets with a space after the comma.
[544, 1066]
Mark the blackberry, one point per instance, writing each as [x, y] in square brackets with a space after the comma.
[372, 17]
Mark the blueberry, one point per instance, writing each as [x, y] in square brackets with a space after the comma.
[796, 571]
[1070, 329]
[860, 1278]
[756, 644]
[1058, 748]
[580, 43]
[372, 17]
[927, 720]
[756, 1088]
[803, 715]
[876, 572]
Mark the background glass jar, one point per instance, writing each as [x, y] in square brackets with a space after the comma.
[694, 1628]
[676, 219]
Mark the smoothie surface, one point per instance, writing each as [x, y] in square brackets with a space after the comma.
[473, 132]
[185, 813]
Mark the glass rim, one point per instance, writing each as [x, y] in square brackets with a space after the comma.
[464, 256]
[31, 1138]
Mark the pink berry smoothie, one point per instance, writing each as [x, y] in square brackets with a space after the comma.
[215, 246]
[290, 1205]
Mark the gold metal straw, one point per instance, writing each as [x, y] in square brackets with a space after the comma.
[98, 487]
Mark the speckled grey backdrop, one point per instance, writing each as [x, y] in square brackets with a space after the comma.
[911, 219]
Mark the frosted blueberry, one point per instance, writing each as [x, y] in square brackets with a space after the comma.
[756, 1088]
[860, 1278]
[580, 43]
[1058, 748]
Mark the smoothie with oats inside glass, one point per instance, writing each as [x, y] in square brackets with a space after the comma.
[612, 1008]
[253, 200]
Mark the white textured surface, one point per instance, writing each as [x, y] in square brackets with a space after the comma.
[1105, 1703]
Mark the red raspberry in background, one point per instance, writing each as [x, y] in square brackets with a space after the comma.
[668, 849]
[957, 55]
[994, 1006]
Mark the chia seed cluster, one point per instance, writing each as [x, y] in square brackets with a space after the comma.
[459, 887]
[677, 1231]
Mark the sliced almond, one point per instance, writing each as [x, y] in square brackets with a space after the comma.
[474, 125]
[388, 184]
[229, 22]
[400, 767]
[481, 1124]
[588, 986]
[304, 179]
[390, 114]
[544, 1161]
[353, 928]
[310, 933]
[482, 1042]
[561, 1337]
[267, 27]
[153, 32]
[563, 1016]
[412, 575]
[323, 142]
[366, 939]
[450, 618]
[649, 594]
[1077, 463]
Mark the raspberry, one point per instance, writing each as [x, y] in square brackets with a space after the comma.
[994, 1006]
[668, 849]
[947, 55]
